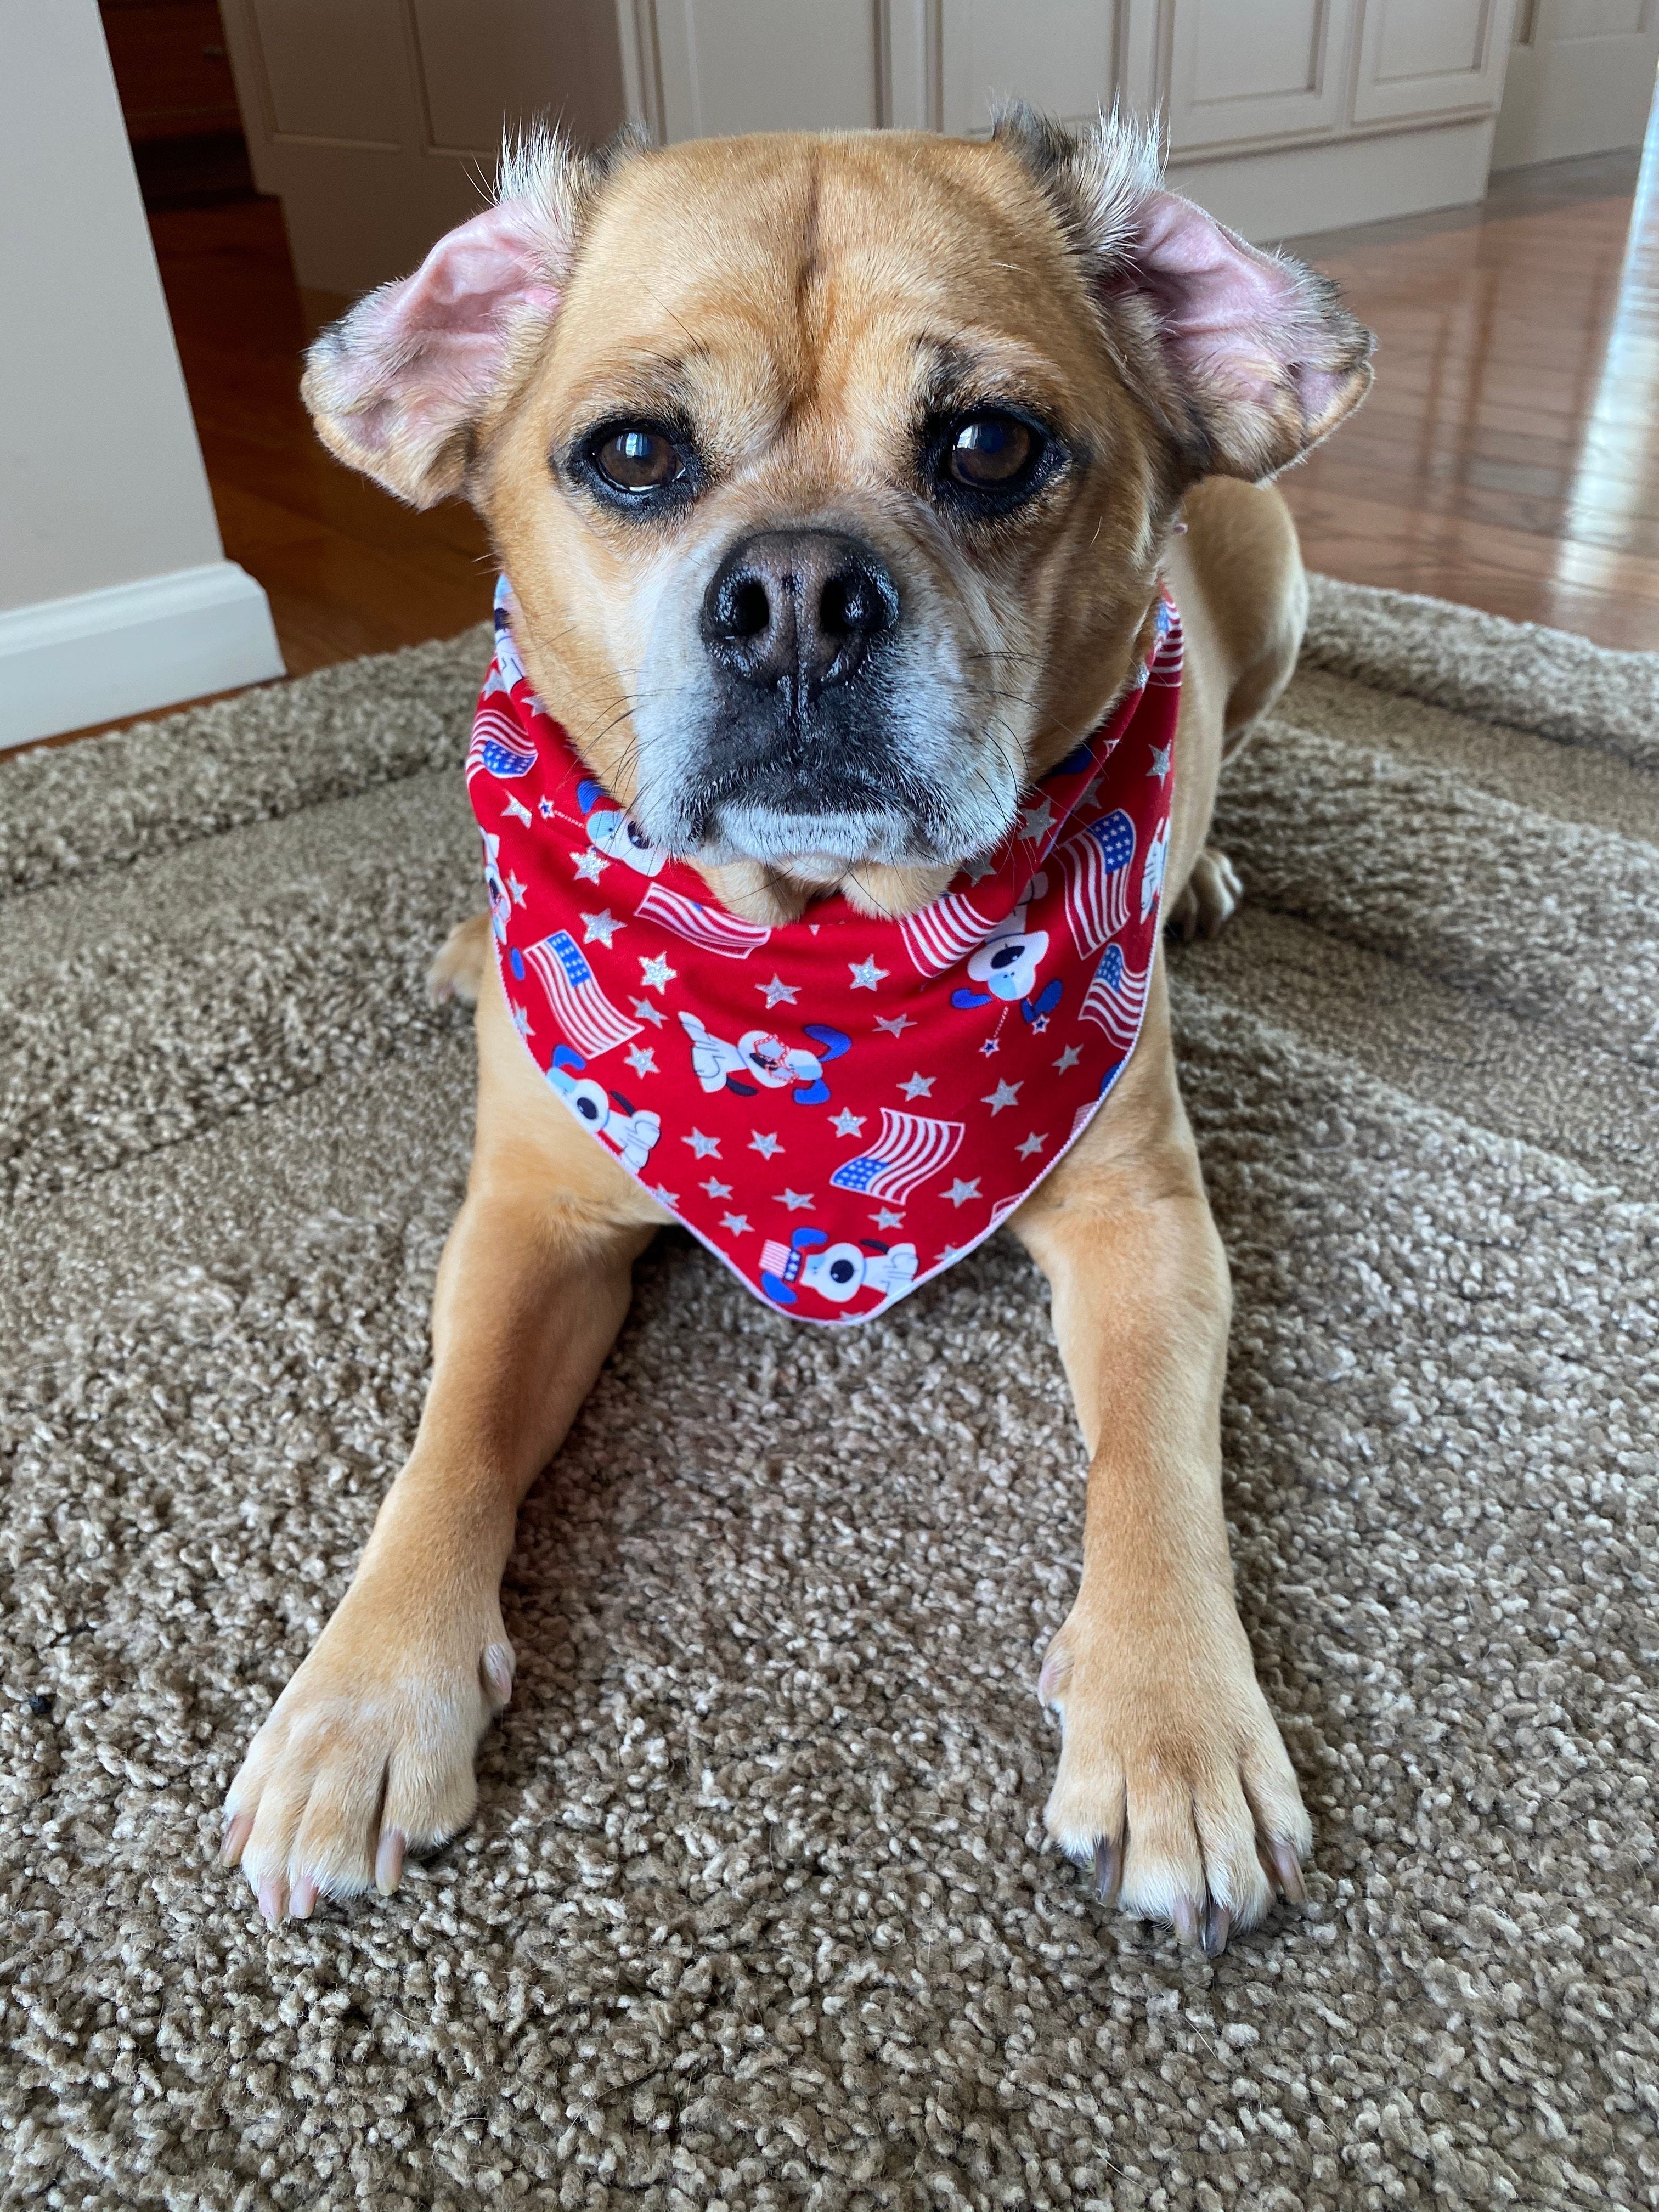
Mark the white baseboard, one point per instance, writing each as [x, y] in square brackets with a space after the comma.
[104, 655]
[1293, 191]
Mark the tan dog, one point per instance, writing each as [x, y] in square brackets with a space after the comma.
[999, 374]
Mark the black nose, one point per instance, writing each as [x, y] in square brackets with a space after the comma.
[796, 610]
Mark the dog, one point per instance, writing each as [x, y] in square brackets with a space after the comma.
[838, 479]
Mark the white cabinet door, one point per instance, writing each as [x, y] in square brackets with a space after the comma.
[728, 66]
[1242, 70]
[1581, 79]
[1061, 55]
[1423, 57]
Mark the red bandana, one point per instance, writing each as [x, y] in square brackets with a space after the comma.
[838, 1108]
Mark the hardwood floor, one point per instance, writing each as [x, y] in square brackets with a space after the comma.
[1508, 458]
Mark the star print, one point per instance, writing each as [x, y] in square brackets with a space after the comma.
[671, 1199]
[517, 890]
[888, 1219]
[777, 990]
[1039, 1022]
[737, 1223]
[866, 973]
[590, 865]
[895, 1024]
[642, 1059]
[647, 1012]
[1037, 821]
[990, 1046]
[794, 1199]
[1160, 767]
[547, 809]
[702, 1145]
[519, 812]
[522, 1021]
[960, 1192]
[846, 1124]
[658, 975]
[602, 925]
[716, 1189]
[1069, 1058]
[765, 1146]
[1033, 1143]
[979, 868]
[950, 1252]
[1004, 1094]
[918, 1086]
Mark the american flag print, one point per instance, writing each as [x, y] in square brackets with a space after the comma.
[944, 934]
[709, 926]
[1096, 864]
[584, 1016]
[1116, 999]
[841, 1115]
[909, 1149]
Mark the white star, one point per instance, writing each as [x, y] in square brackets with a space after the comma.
[737, 1223]
[777, 990]
[846, 1124]
[642, 1059]
[1039, 1024]
[888, 1219]
[547, 809]
[714, 1188]
[1037, 821]
[950, 1252]
[979, 868]
[520, 812]
[960, 1192]
[522, 1021]
[517, 890]
[895, 1024]
[1069, 1058]
[866, 973]
[647, 1012]
[990, 1046]
[1160, 767]
[702, 1145]
[658, 975]
[671, 1199]
[1004, 1095]
[765, 1146]
[1033, 1143]
[794, 1199]
[602, 925]
[918, 1086]
[590, 865]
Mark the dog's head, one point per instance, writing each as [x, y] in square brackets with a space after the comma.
[832, 474]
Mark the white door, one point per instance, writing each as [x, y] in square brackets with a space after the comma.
[1581, 79]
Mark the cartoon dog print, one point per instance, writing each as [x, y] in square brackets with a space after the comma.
[837, 1273]
[501, 904]
[607, 1114]
[615, 833]
[773, 1065]
[1006, 964]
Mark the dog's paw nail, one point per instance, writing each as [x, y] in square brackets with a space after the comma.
[1109, 1870]
[389, 1861]
[1218, 1927]
[1287, 1872]
[273, 1899]
[304, 1899]
[238, 1829]
[1185, 1916]
[498, 1672]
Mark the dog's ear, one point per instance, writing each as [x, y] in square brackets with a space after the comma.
[399, 386]
[1249, 358]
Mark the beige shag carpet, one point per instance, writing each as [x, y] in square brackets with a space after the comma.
[756, 1910]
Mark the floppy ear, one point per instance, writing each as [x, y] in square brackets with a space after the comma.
[399, 386]
[1250, 357]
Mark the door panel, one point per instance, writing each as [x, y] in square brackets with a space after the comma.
[1581, 80]
[334, 72]
[1059, 54]
[490, 65]
[1426, 58]
[1256, 69]
[730, 66]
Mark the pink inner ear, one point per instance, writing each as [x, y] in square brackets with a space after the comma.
[1228, 310]
[413, 359]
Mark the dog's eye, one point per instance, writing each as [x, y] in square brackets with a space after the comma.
[634, 457]
[991, 452]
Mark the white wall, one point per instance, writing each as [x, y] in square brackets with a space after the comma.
[114, 593]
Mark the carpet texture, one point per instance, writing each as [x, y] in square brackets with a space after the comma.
[756, 1910]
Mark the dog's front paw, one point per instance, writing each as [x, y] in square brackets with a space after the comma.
[368, 1751]
[1173, 1789]
[1209, 898]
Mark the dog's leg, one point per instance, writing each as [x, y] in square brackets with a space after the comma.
[1173, 1783]
[370, 1750]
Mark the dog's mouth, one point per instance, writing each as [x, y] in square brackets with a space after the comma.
[813, 825]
